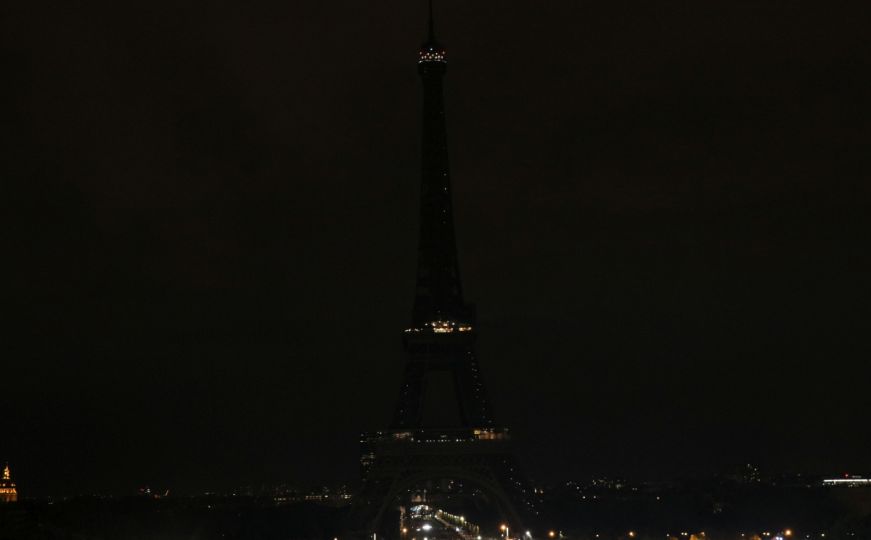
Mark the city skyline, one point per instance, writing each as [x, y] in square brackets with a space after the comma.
[213, 237]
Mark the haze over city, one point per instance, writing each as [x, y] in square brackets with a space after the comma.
[220, 270]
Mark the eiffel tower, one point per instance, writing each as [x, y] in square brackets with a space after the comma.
[440, 341]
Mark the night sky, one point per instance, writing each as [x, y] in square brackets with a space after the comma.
[210, 219]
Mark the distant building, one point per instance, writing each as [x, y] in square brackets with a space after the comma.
[848, 480]
[8, 493]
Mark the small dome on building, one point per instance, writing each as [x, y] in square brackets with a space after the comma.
[8, 492]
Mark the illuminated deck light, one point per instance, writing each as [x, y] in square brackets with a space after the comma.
[431, 55]
[441, 327]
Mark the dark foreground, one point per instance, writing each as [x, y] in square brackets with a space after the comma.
[167, 519]
[573, 512]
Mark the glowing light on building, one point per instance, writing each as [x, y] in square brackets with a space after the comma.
[431, 54]
[441, 327]
[8, 492]
[847, 481]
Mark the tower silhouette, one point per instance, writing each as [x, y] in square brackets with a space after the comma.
[441, 339]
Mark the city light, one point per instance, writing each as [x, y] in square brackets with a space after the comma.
[695, 156]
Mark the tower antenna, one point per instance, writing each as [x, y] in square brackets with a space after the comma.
[431, 24]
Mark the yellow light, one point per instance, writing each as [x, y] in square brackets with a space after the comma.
[787, 532]
[631, 534]
[551, 534]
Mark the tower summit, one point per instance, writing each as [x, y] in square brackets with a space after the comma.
[431, 50]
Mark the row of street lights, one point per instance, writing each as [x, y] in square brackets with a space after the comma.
[506, 533]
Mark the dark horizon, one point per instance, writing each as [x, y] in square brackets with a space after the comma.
[211, 248]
